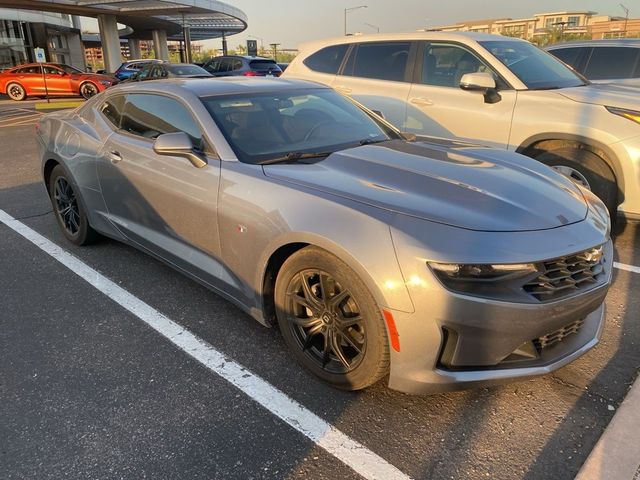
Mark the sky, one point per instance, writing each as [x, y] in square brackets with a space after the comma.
[292, 22]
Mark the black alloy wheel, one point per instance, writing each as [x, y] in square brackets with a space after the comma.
[330, 320]
[66, 205]
[69, 209]
[326, 321]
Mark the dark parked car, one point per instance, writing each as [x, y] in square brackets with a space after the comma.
[616, 61]
[130, 68]
[283, 66]
[155, 71]
[247, 66]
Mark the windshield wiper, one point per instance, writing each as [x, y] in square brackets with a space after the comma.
[294, 156]
[370, 141]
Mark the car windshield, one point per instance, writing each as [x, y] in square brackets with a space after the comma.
[186, 69]
[268, 126]
[537, 69]
[68, 68]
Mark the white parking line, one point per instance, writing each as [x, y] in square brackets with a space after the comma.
[355, 455]
[628, 268]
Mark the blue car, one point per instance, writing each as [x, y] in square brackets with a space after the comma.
[131, 67]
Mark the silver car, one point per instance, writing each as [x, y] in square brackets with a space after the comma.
[435, 265]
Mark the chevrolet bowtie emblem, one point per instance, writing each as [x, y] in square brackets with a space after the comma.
[593, 255]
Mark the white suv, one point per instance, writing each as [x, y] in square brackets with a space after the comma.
[494, 90]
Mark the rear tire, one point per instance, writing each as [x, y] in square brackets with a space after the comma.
[339, 336]
[69, 210]
[16, 92]
[584, 166]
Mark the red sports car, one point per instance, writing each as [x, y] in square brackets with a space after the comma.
[62, 80]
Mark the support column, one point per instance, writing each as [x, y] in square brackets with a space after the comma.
[134, 48]
[186, 33]
[110, 42]
[160, 47]
[224, 44]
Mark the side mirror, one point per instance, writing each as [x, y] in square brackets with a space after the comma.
[481, 82]
[178, 144]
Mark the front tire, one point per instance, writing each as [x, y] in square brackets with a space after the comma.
[330, 320]
[16, 92]
[88, 90]
[68, 209]
[587, 169]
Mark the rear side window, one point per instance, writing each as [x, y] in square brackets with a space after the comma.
[327, 60]
[149, 116]
[612, 62]
[112, 110]
[570, 56]
[382, 61]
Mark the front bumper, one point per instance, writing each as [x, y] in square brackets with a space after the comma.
[454, 341]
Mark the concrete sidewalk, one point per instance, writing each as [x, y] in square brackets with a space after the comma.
[616, 456]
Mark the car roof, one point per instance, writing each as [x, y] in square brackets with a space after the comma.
[605, 42]
[246, 57]
[408, 36]
[203, 87]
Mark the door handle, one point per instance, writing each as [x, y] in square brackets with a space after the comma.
[423, 101]
[115, 157]
[342, 89]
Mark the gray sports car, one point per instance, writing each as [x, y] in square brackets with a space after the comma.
[433, 264]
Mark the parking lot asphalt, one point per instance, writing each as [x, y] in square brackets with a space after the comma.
[88, 390]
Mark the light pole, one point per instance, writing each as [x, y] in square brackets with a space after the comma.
[348, 10]
[373, 26]
[626, 18]
[275, 51]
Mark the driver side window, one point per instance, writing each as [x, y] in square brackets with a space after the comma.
[149, 115]
[444, 65]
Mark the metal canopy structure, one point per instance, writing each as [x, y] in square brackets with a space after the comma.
[205, 19]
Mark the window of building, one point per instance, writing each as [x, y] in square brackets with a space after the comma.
[573, 22]
[382, 61]
[149, 116]
[327, 60]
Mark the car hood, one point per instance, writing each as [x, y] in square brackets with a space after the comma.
[608, 94]
[464, 186]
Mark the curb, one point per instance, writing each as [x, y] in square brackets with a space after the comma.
[616, 456]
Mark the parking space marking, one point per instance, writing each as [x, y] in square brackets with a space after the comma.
[628, 268]
[353, 454]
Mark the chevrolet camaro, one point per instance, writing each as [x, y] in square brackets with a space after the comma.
[435, 265]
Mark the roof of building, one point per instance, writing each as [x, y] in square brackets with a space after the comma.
[205, 18]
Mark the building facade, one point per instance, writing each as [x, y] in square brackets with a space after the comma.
[586, 24]
[21, 31]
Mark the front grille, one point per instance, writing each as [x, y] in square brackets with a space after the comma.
[565, 276]
[552, 338]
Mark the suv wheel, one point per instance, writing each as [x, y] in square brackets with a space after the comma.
[586, 169]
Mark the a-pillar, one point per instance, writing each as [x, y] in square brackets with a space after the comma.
[134, 48]
[110, 42]
[160, 47]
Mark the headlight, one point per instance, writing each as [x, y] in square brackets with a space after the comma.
[479, 272]
[106, 83]
[632, 115]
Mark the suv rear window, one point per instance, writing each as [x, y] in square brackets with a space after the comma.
[264, 65]
[569, 56]
[612, 62]
[382, 61]
[327, 60]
